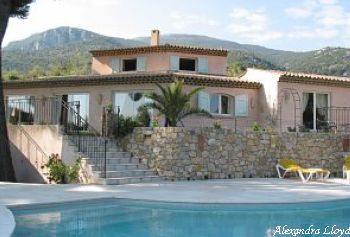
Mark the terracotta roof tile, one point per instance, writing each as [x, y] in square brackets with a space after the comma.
[133, 78]
[160, 49]
[306, 78]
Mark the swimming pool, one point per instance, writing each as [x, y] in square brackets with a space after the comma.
[135, 218]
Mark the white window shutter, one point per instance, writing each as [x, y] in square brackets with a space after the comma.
[241, 105]
[115, 65]
[140, 64]
[203, 101]
[203, 65]
[174, 63]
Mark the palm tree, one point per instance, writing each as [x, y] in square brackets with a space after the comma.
[173, 103]
[8, 8]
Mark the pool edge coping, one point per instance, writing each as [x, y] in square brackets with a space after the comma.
[97, 200]
[7, 221]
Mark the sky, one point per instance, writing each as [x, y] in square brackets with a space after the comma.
[297, 25]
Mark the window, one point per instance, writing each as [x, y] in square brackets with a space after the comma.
[129, 102]
[220, 104]
[223, 104]
[187, 64]
[315, 109]
[129, 65]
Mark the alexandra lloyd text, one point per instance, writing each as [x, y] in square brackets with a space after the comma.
[329, 230]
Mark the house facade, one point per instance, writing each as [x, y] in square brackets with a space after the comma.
[298, 100]
[121, 77]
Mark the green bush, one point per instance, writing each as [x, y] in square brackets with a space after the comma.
[256, 127]
[143, 118]
[126, 126]
[61, 173]
[217, 125]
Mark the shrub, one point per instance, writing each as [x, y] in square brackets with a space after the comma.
[143, 118]
[61, 173]
[126, 126]
[217, 125]
[256, 127]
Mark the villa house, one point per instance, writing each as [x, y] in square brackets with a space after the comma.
[121, 76]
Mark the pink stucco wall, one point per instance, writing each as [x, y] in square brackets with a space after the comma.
[271, 97]
[217, 65]
[268, 93]
[228, 121]
[100, 96]
[338, 97]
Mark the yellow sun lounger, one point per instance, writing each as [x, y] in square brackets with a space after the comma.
[346, 168]
[290, 166]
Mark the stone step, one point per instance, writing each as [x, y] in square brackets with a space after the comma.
[97, 150]
[109, 154]
[115, 161]
[131, 180]
[127, 173]
[94, 146]
[122, 167]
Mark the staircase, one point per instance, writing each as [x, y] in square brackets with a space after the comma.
[104, 161]
[121, 167]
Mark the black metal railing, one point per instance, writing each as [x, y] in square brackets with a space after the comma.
[336, 117]
[56, 111]
[85, 137]
[32, 111]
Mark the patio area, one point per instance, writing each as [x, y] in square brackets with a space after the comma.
[212, 191]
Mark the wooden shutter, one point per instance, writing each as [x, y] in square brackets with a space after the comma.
[203, 101]
[140, 64]
[174, 63]
[241, 105]
[115, 65]
[203, 65]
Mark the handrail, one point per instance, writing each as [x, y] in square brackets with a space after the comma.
[32, 140]
[44, 156]
[82, 120]
[94, 145]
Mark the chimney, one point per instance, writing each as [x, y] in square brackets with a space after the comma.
[155, 38]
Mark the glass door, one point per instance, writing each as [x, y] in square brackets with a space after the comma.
[315, 109]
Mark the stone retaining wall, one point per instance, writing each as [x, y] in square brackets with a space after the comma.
[180, 153]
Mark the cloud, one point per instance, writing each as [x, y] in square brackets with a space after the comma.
[252, 25]
[182, 21]
[327, 19]
[328, 2]
[313, 33]
[296, 12]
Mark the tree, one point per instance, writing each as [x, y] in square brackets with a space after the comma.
[173, 103]
[236, 69]
[8, 8]
[12, 75]
[36, 72]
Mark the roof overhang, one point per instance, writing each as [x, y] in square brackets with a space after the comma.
[160, 49]
[132, 78]
[315, 79]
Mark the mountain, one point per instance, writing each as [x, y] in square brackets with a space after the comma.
[65, 50]
[67, 37]
[61, 47]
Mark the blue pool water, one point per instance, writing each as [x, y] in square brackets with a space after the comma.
[128, 218]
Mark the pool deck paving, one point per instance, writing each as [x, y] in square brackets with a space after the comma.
[209, 191]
